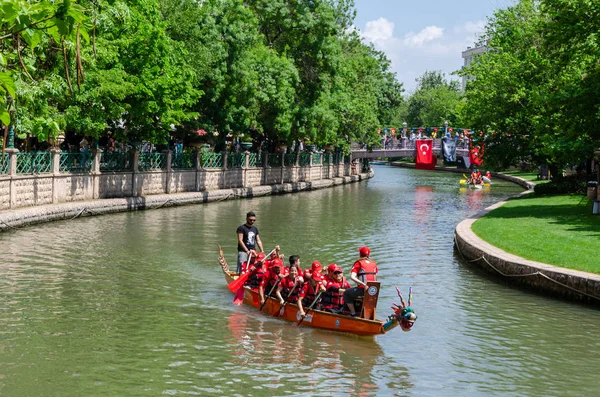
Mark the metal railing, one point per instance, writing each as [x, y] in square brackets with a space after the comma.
[5, 164]
[34, 163]
[211, 160]
[152, 161]
[316, 159]
[116, 161]
[75, 162]
[289, 159]
[69, 162]
[184, 160]
[274, 160]
[236, 160]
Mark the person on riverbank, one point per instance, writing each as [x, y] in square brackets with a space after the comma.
[363, 271]
[248, 239]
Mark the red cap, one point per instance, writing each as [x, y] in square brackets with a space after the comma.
[307, 273]
[317, 277]
[364, 251]
[316, 266]
[276, 263]
[338, 269]
[331, 267]
[260, 257]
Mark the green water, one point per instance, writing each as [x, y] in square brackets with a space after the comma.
[135, 304]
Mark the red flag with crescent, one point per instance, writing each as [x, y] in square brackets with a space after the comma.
[476, 155]
[424, 151]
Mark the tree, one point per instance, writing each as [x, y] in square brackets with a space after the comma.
[435, 101]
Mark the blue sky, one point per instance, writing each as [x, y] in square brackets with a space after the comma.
[423, 35]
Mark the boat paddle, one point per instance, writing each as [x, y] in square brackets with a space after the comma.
[282, 309]
[239, 294]
[235, 285]
[269, 295]
[309, 308]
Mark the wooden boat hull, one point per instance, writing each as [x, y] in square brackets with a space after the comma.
[315, 318]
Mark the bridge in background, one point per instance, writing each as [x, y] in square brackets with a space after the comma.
[403, 148]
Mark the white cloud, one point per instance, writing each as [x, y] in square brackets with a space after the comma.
[379, 31]
[428, 34]
[431, 48]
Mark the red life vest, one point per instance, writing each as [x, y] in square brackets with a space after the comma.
[256, 278]
[287, 285]
[332, 298]
[308, 293]
[368, 270]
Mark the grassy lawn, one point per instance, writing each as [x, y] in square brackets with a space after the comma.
[529, 176]
[557, 230]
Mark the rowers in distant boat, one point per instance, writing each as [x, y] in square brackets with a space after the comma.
[476, 180]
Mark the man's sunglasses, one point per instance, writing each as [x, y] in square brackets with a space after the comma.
[251, 220]
[337, 272]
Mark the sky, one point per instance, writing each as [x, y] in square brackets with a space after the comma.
[418, 36]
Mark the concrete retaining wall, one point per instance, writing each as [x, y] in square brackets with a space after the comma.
[556, 281]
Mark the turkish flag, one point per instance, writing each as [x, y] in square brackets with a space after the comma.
[476, 155]
[424, 151]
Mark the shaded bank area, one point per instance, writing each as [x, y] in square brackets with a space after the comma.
[47, 213]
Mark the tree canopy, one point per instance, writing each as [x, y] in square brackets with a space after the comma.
[277, 70]
[535, 92]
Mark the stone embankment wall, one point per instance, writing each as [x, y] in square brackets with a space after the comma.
[27, 199]
[54, 187]
[556, 281]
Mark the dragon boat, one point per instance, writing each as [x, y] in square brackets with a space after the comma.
[403, 314]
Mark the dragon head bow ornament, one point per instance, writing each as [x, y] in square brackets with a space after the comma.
[403, 315]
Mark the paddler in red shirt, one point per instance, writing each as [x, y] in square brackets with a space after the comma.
[333, 297]
[363, 270]
[272, 277]
[310, 290]
[289, 286]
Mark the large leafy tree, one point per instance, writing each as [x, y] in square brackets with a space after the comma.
[434, 101]
[534, 92]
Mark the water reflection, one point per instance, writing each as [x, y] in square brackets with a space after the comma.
[308, 360]
[135, 304]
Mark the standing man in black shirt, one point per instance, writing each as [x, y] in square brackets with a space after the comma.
[248, 239]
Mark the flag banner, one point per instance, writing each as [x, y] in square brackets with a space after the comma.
[449, 149]
[425, 158]
[476, 155]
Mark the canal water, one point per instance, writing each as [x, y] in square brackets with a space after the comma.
[135, 304]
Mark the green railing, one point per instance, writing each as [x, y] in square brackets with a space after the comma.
[327, 159]
[256, 160]
[211, 160]
[290, 159]
[34, 163]
[5, 164]
[116, 161]
[236, 160]
[184, 160]
[75, 162]
[316, 159]
[152, 161]
[304, 159]
[274, 160]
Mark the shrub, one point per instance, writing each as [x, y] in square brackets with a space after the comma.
[571, 184]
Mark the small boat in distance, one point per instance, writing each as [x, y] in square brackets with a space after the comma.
[403, 314]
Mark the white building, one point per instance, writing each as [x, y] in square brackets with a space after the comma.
[468, 56]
